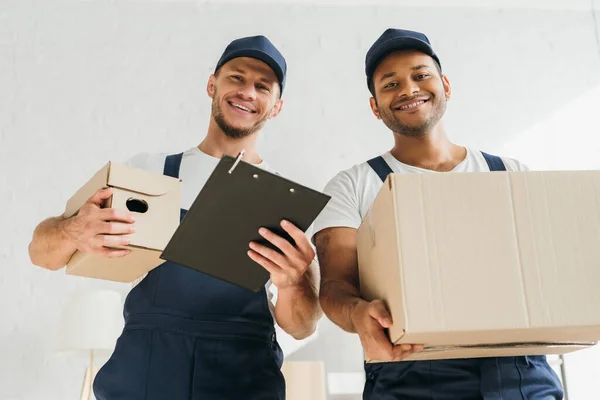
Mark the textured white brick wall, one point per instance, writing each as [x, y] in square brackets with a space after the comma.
[85, 81]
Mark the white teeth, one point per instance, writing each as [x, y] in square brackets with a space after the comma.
[412, 105]
[240, 107]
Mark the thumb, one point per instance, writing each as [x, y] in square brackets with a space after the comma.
[378, 311]
[101, 195]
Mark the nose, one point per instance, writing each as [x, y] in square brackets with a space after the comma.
[409, 89]
[247, 92]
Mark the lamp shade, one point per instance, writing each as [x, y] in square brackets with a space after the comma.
[91, 321]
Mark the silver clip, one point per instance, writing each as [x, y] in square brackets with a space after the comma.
[237, 160]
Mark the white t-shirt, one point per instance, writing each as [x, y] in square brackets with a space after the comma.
[353, 191]
[195, 170]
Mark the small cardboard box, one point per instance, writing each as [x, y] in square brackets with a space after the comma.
[486, 264]
[154, 198]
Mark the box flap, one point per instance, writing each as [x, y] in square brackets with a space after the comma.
[140, 181]
[97, 182]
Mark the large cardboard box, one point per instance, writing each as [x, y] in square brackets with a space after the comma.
[486, 264]
[154, 198]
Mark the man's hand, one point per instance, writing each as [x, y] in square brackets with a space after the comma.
[286, 269]
[96, 230]
[370, 320]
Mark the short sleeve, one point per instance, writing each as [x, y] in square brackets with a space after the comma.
[342, 210]
[514, 165]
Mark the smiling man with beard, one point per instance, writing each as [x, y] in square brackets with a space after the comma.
[409, 94]
[188, 335]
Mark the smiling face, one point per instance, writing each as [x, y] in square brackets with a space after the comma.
[245, 94]
[410, 94]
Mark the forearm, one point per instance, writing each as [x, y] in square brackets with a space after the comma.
[51, 247]
[339, 293]
[297, 310]
[338, 299]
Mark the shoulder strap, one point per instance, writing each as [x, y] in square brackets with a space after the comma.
[172, 164]
[494, 162]
[381, 168]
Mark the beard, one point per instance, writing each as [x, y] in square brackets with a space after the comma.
[419, 130]
[230, 130]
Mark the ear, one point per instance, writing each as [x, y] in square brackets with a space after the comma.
[374, 107]
[447, 87]
[276, 109]
[210, 86]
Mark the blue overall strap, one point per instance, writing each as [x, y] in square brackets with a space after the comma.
[380, 167]
[172, 164]
[494, 162]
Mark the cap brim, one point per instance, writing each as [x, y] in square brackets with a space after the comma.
[259, 55]
[397, 44]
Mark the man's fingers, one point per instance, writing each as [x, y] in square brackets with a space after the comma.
[402, 351]
[378, 311]
[267, 253]
[101, 195]
[115, 214]
[405, 346]
[380, 344]
[263, 262]
[113, 240]
[113, 253]
[279, 242]
[114, 228]
[299, 237]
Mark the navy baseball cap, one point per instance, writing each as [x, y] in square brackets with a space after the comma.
[393, 40]
[260, 48]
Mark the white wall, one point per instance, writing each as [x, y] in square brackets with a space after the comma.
[86, 81]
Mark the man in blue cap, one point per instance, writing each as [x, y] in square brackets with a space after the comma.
[409, 94]
[188, 335]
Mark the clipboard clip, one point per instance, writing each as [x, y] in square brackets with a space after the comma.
[237, 161]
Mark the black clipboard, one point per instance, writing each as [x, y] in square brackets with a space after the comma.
[235, 202]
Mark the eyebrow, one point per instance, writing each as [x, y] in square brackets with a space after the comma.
[390, 74]
[261, 71]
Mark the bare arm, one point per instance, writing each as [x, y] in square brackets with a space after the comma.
[339, 294]
[51, 246]
[296, 277]
[341, 301]
[297, 309]
[93, 230]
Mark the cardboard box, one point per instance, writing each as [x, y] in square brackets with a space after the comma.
[155, 199]
[486, 264]
[304, 380]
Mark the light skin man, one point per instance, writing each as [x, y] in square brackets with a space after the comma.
[188, 335]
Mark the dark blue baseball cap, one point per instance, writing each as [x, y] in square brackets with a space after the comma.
[260, 48]
[393, 40]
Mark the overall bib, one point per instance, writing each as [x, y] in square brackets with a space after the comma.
[492, 378]
[189, 336]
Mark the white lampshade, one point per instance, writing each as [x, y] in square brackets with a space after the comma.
[91, 321]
